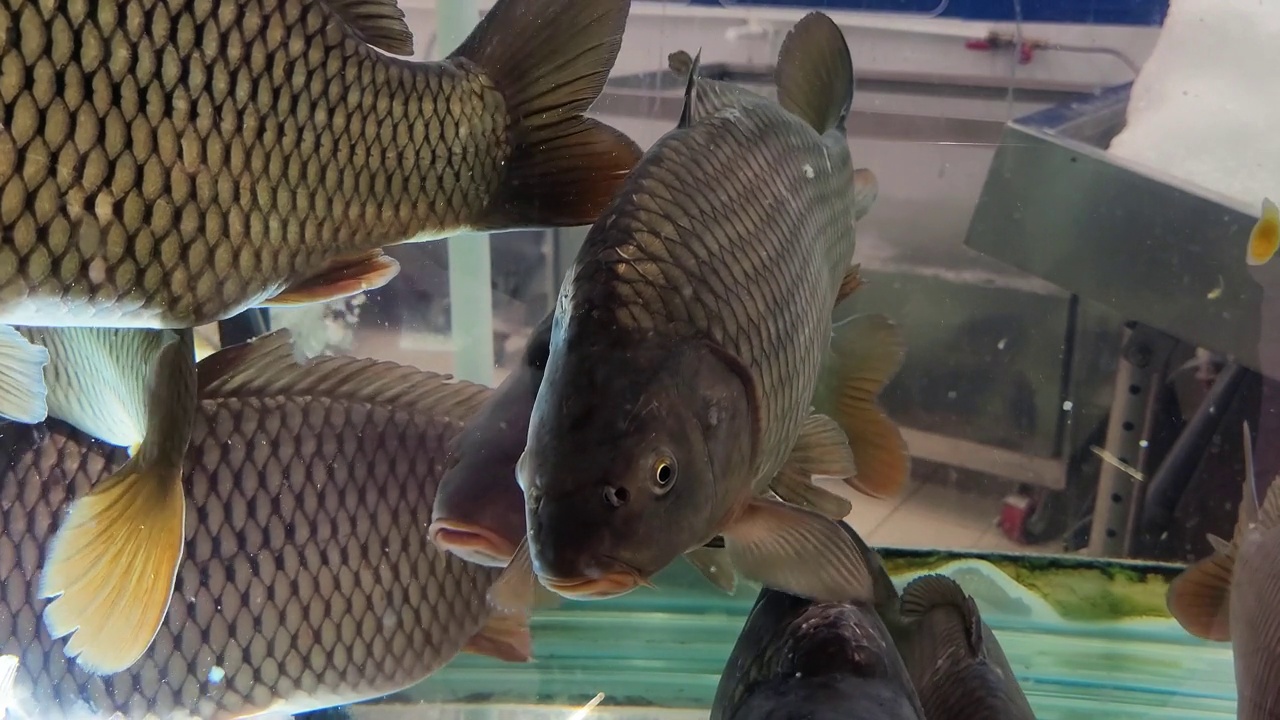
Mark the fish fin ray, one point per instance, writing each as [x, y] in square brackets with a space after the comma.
[797, 551]
[513, 591]
[886, 593]
[690, 91]
[268, 365]
[564, 168]
[850, 283]
[380, 23]
[822, 449]
[113, 562]
[866, 188]
[797, 488]
[815, 73]
[868, 350]
[341, 278]
[1218, 544]
[714, 565]
[23, 396]
[505, 636]
[928, 592]
[1200, 597]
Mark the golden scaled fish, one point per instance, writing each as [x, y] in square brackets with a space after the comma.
[165, 165]
[687, 345]
[307, 579]
[1231, 596]
[1264, 239]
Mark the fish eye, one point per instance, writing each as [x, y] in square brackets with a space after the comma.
[664, 474]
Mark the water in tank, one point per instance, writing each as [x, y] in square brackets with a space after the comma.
[741, 359]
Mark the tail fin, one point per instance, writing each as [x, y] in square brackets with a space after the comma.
[550, 60]
[815, 73]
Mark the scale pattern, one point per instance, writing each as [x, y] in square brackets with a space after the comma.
[170, 162]
[307, 577]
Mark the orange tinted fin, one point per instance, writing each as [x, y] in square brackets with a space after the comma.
[379, 23]
[1265, 237]
[865, 190]
[112, 563]
[513, 591]
[1199, 598]
[338, 279]
[849, 284]
[549, 59]
[797, 551]
[505, 637]
[866, 351]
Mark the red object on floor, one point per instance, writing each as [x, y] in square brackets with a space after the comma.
[1014, 512]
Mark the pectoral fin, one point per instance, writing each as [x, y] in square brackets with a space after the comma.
[113, 562]
[715, 566]
[505, 637]
[342, 277]
[22, 389]
[1200, 598]
[797, 551]
[821, 450]
[513, 591]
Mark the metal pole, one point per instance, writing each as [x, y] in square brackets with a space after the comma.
[470, 284]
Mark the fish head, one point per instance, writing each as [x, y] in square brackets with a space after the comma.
[479, 508]
[626, 472]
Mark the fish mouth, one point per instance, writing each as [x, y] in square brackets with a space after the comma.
[607, 585]
[472, 543]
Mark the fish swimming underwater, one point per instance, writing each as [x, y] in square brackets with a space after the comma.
[686, 348]
[1231, 596]
[166, 165]
[479, 511]
[1264, 239]
[307, 579]
[802, 660]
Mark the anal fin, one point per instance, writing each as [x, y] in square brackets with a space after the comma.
[22, 390]
[505, 636]
[340, 278]
[112, 564]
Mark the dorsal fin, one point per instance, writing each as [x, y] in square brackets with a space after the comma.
[690, 90]
[268, 366]
[928, 592]
[1248, 514]
[815, 73]
[712, 96]
[380, 23]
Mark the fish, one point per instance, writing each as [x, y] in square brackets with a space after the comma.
[163, 167]
[686, 347]
[955, 661]
[1264, 239]
[1230, 596]
[306, 580]
[796, 658]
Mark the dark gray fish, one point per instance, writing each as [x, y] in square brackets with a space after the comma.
[687, 344]
[798, 659]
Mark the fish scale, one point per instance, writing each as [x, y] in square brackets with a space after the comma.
[170, 163]
[304, 581]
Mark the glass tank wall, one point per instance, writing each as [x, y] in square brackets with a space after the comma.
[1038, 398]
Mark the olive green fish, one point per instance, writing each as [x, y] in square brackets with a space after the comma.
[164, 165]
[1231, 596]
[686, 348]
[307, 579]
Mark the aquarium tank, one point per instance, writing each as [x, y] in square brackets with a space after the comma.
[639, 359]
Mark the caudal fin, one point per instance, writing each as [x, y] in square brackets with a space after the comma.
[867, 351]
[815, 73]
[550, 60]
[112, 564]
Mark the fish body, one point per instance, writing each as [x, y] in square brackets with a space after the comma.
[796, 659]
[687, 342]
[306, 579]
[164, 165]
[1231, 595]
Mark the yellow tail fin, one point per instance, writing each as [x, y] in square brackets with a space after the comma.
[113, 562]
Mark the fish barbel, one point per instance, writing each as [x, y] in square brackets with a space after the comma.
[307, 578]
